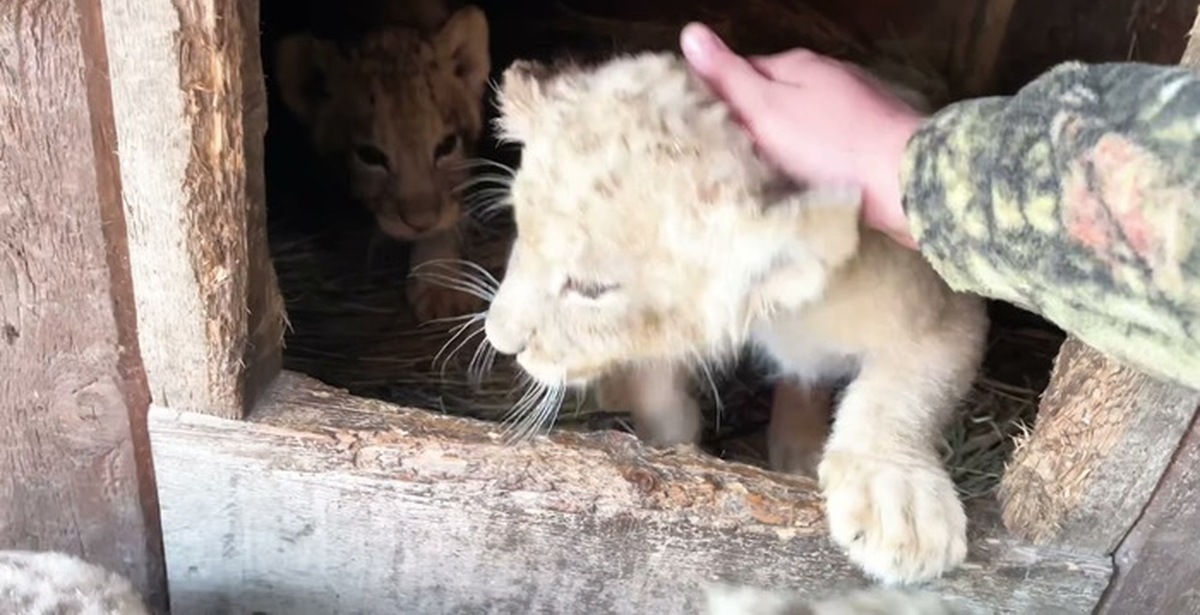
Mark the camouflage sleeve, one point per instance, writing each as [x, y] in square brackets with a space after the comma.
[1079, 199]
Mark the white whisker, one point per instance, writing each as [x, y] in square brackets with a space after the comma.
[480, 364]
[465, 340]
[464, 286]
[534, 412]
[448, 262]
[456, 332]
[719, 404]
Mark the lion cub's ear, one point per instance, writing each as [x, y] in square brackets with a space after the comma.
[817, 231]
[463, 40]
[826, 220]
[520, 95]
[303, 65]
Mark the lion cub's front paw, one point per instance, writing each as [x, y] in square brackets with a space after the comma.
[898, 517]
[431, 301]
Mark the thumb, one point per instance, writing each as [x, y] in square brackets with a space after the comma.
[733, 77]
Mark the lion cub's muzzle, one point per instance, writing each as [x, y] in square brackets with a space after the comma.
[502, 335]
[405, 222]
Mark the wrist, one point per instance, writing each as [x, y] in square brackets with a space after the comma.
[884, 193]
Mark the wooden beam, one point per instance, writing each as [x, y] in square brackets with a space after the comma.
[322, 502]
[1104, 436]
[190, 107]
[75, 467]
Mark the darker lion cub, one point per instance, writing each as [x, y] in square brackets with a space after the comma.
[394, 115]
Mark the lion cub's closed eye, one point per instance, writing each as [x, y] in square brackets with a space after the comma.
[635, 175]
[395, 114]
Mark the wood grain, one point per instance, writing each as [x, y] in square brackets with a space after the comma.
[322, 503]
[75, 471]
[1158, 571]
[209, 312]
[1104, 436]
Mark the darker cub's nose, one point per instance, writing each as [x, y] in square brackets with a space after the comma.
[420, 220]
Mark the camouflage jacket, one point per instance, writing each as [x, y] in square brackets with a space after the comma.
[1079, 199]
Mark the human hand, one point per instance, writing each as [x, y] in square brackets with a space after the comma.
[820, 120]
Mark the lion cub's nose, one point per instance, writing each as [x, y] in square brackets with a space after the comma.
[501, 337]
[421, 220]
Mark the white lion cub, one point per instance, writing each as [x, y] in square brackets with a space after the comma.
[650, 234]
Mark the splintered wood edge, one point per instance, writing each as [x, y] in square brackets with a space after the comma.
[210, 315]
[718, 520]
[1104, 436]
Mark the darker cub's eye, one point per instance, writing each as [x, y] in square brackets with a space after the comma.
[371, 156]
[446, 146]
[588, 290]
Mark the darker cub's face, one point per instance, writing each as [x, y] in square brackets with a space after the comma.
[397, 115]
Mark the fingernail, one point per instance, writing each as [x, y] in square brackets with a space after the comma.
[699, 43]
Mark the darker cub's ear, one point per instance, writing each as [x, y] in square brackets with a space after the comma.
[303, 65]
[463, 40]
[521, 94]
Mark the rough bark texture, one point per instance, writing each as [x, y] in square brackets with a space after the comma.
[322, 502]
[1157, 568]
[1104, 436]
[190, 108]
[75, 468]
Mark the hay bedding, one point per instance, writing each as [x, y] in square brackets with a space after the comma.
[351, 327]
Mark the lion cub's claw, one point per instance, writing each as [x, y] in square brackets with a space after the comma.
[898, 518]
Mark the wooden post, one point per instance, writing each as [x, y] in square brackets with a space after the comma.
[75, 469]
[1104, 436]
[190, 107]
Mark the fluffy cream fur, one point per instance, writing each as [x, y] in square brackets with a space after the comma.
[651, 237]
[722, 600]
[396, 115]
[50, 583]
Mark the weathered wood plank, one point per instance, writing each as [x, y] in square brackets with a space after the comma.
[326, 503]
[1104, 436]
[210, 317]
[75, 470]
[1157, 567]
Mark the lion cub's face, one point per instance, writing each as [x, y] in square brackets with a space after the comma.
[395, 115]
[646, 226]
